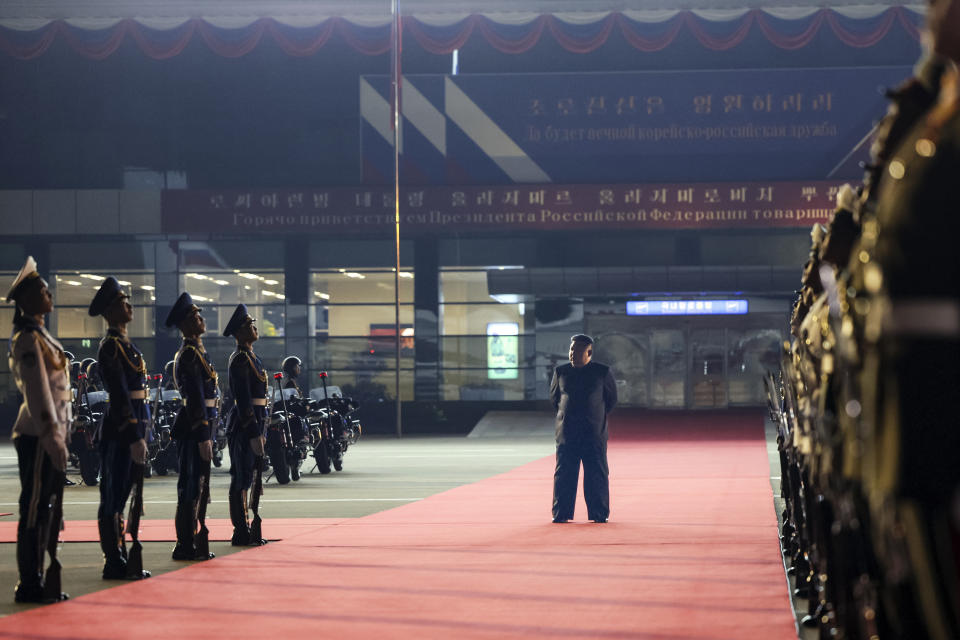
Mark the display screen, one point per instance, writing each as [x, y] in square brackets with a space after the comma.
[502, 350]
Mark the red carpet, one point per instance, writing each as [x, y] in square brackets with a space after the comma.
[691, 551]
[163, 531]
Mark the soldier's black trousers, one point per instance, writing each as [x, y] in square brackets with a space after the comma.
[192, 468]
[242, 462]
[116, 479]
[596, 486]
[39, 481]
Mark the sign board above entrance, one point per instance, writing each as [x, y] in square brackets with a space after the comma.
[686, 307]
[650, 126]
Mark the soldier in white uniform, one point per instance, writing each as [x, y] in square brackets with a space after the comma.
[39, 367]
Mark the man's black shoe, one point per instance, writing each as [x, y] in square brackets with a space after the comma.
[560, 520]
[599, 520]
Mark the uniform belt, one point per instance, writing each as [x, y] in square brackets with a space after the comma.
[259, 402]
[931, 317]
[138, 394]
[207, 402]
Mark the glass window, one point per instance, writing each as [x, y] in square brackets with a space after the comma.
[473, 319]
[218, 292]
[74, 290]
[350, 286]
[628, 355]
[361, 320]
[484, 350]
[708, 384]
[669, 354]
[354, 324]
[459, 285]
[750, 354]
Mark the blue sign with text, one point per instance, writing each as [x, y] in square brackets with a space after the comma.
[686, 307]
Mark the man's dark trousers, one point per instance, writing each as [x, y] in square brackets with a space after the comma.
[596, 486]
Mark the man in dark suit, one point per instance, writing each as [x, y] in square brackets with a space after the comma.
[583, 393]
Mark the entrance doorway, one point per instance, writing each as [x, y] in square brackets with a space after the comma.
[696, 363]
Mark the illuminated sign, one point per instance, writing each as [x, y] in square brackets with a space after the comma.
[686, 307]
[502, 350]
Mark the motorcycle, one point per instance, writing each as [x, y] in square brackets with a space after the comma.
[332, 428]
[161, 450]
[287, 443]
[88, 410]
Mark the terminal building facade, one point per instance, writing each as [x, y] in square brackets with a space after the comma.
[648, 180]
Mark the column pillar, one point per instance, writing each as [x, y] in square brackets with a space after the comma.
[426, 326]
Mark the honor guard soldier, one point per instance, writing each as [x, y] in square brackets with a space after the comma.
[123, 446]
[248, 386]
[292, 367]
[197, 382]
[39, 367]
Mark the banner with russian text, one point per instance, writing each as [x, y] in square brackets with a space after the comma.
[438, 210]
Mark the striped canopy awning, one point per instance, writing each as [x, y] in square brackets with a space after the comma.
[233, 28]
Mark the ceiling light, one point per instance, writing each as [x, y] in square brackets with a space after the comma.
[123, 283]
[270, 282]
[221, 282]
[354, 274]
[146, 287]
[249, 276]
[90, 276]
[197, 276]
[73, 282]
[321, 295]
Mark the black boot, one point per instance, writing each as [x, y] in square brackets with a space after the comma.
[30, 586]
[114, 564]
[183, 523]
[238, 516]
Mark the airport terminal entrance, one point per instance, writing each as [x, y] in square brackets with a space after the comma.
[689, 363]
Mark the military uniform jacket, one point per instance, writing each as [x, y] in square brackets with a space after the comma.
[582, 397]
[124, 374]
[248, 385]
[291, 383]
[197, 382]
[918, 213]
[39, 368]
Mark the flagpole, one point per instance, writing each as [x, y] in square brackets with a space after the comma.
[395, 73]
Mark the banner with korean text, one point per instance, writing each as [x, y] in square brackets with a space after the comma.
[438, 210]
[618, 127]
